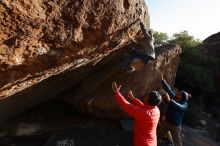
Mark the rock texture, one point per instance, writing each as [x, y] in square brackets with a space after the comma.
[47, 47]
[212, 45]
[193, 137]
[94, 94]
[43, 38]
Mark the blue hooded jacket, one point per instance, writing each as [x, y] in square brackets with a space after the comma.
[175, 110]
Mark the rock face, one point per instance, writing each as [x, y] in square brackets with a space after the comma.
[40, 38]
[94, 94]
[193, 137]
[74, 49]
[212, 45]
[45, 44]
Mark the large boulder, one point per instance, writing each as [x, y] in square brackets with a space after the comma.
[212, 45]
[47, 47]
[43, 38]
[94, 94]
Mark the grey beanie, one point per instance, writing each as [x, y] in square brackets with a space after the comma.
[154, 98]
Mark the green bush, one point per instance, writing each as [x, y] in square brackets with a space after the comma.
[160, 38]
[196, 70]
[184, 40]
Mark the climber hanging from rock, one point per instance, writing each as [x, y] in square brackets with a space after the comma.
[142, 52]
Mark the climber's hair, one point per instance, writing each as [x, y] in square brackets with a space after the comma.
[153, 98]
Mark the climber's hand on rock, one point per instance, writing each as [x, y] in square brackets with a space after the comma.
[141, 18]
[129, 35]
[132, 39]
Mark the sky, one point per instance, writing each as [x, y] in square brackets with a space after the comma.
[201, 18]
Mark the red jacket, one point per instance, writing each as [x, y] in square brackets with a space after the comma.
[146, 118]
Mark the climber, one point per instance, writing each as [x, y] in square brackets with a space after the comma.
[143, 51]
[146, 115]
[177, 105]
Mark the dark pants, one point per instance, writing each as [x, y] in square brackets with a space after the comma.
[136, 53]
[174, 130]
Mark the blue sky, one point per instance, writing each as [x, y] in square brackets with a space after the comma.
[201, 18]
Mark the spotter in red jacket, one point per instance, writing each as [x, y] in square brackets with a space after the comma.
[146, 118]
